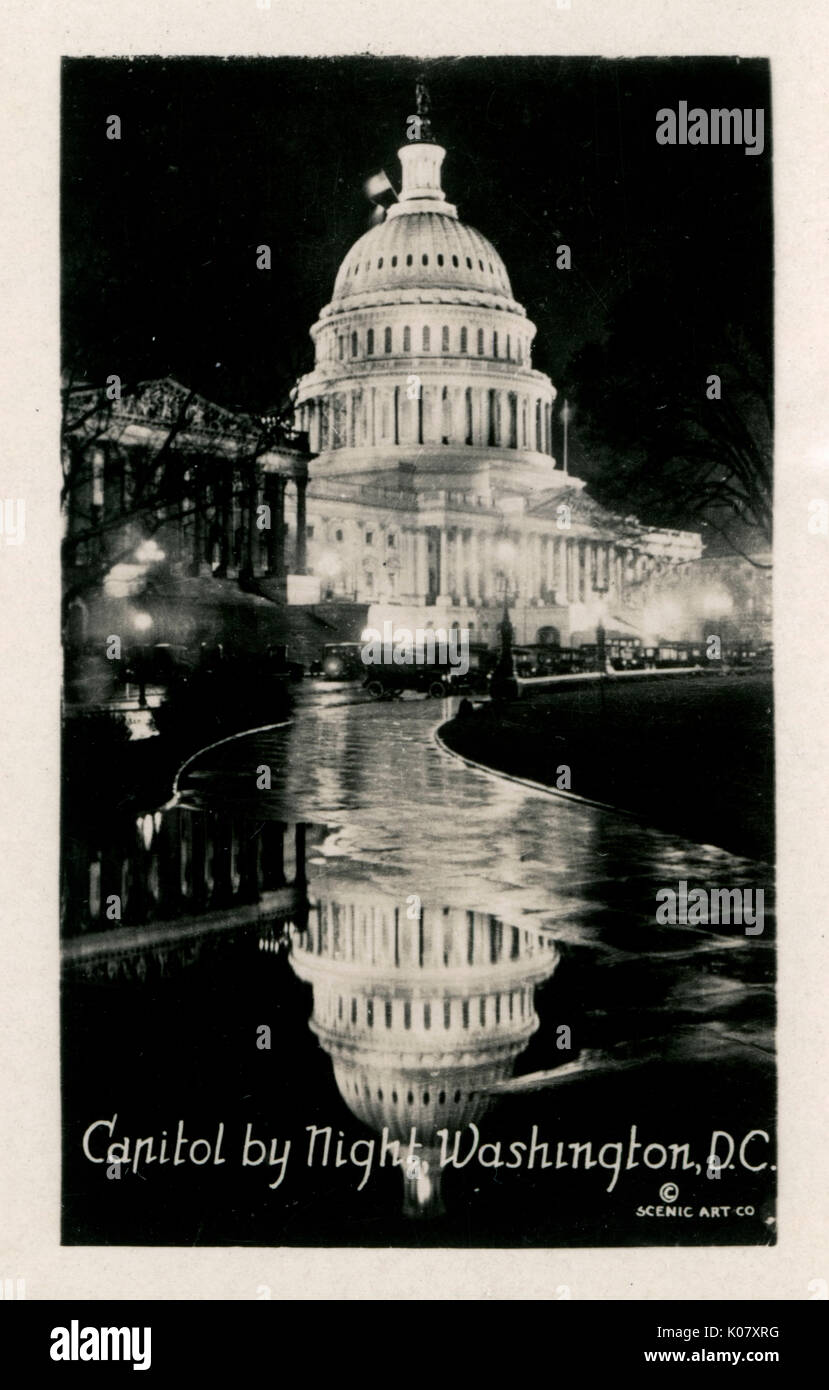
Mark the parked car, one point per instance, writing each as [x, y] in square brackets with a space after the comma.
[340, 661]
[434, 678]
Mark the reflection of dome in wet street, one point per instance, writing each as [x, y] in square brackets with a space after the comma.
[420, 1014]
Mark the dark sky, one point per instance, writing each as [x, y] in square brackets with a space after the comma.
[219, 155]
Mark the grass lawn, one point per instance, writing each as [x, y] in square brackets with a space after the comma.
[689, 754]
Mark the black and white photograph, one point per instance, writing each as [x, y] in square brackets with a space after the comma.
[417, 770]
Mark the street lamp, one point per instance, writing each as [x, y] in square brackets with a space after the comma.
[503, 676]
[600, 591]
[601, 657]
[142, 622]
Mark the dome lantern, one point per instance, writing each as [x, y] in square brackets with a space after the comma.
[421, 190]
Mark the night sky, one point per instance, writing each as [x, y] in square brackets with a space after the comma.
[159, 229]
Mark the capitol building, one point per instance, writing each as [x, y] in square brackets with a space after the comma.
[417, 482]
[434, 493]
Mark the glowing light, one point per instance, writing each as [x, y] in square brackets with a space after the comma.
[660, 619]
[718, 603]
[505, 553]
[149, 552]
[327, 565]
[142, 622]
[123, 580]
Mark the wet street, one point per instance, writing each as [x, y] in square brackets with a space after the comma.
[461, 955]
[409, 814]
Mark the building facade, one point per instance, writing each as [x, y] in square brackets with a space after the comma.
[418, 482]
[434, 491]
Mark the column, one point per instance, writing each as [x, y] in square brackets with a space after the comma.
[421, 584]
[248, 521]
[527, 544]
[561, 566]
[301, 526]
[275, 500]
[550, 568]
[492, 568]
[572, 571]
[460, 583]
[533, 565]
[458, 415]
[312, 413]
[225, 514]
[474, 568]
[443, 564]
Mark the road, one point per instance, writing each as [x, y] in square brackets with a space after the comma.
[407, 817]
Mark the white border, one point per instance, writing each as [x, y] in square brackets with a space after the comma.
[33, 36]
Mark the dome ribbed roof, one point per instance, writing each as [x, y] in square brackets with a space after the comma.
[422, 250]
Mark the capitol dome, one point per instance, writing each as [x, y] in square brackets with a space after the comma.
[421, 1018]
[422, 346]
[431, 251]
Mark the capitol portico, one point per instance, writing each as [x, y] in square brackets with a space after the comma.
[434, 492]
